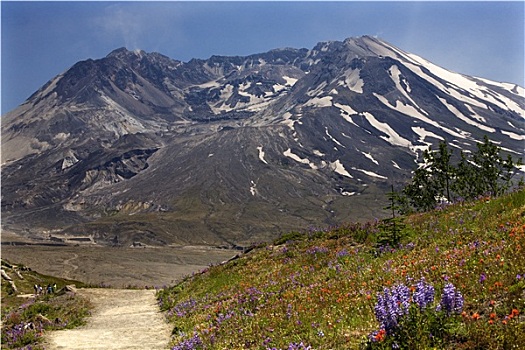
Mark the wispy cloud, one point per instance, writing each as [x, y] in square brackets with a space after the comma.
[137, 25]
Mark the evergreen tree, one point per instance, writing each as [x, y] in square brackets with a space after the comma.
[432, 181]
[482, 172]
[464, 185]
[493, 173]
[393, 226]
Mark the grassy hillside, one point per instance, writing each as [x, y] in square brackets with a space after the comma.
[26, 317]
[333, 289]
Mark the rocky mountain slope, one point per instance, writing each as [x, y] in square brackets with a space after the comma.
[230, 150]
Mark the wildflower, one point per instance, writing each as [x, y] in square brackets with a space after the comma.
[183, 308]
[300, 346]
[482, 278]
[475, 316]
[189, 344]
[391, 304]
[451, 300]
[317, 250]
[377, 336]
[342, 253]
[424, 294]
[515, 312]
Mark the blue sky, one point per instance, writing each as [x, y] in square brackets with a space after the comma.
[43, 39]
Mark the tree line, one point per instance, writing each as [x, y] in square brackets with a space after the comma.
[440, 180]
[482, 172]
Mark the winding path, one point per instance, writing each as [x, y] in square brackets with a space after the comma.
[121, 319]
[67, 262]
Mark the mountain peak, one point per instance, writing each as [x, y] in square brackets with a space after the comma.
[124, 52]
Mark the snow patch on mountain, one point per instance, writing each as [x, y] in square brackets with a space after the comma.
[513, 135]
[261, 155]
[290, 81]
[369, 156]
[346, 112]
[288, 153]
[423, 134]
[513, 88]
[325, 101]
[318, 90]
[352, 81]
[410, 111]
[471, 86]
[467, 120]
[392, 136]
[395, 74]
[371, 173]
[338, 167]
[289, 121]
[332, 138]
[395, 165]
[276, 88]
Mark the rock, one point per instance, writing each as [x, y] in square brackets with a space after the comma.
[69, 288]
[5, 276]
[12, 284]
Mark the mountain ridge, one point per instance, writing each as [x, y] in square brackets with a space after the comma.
[237, 149]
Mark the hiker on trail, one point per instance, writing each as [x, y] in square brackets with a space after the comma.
[49, 289]
[35, 287]
[54, 287]
[40, 290]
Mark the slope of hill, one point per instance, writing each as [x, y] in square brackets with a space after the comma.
[137, 146]
[26, 315]
[321, 289]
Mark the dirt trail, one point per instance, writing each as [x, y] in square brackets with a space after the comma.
[67, 262]
[121, 319]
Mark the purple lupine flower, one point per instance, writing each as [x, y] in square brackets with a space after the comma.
[424, 294]
[401, 294]
[223, 317]
[373, 336]
[183, 308]
[451, 300]
[317, 250]
[342, 253]
[391, 304]
[482, 278]
[289, 310]
[300, 346]
[192, 343]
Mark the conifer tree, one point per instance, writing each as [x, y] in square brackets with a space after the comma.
[479, 173]
[393, 226]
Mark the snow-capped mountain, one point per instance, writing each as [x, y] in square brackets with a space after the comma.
[140, 147]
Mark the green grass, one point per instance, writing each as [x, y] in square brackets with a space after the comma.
[320, 287]
[25, 320]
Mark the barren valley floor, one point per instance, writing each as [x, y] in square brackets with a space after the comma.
[115, 267]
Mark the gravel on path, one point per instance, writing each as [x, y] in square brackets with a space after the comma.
[121, 319]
